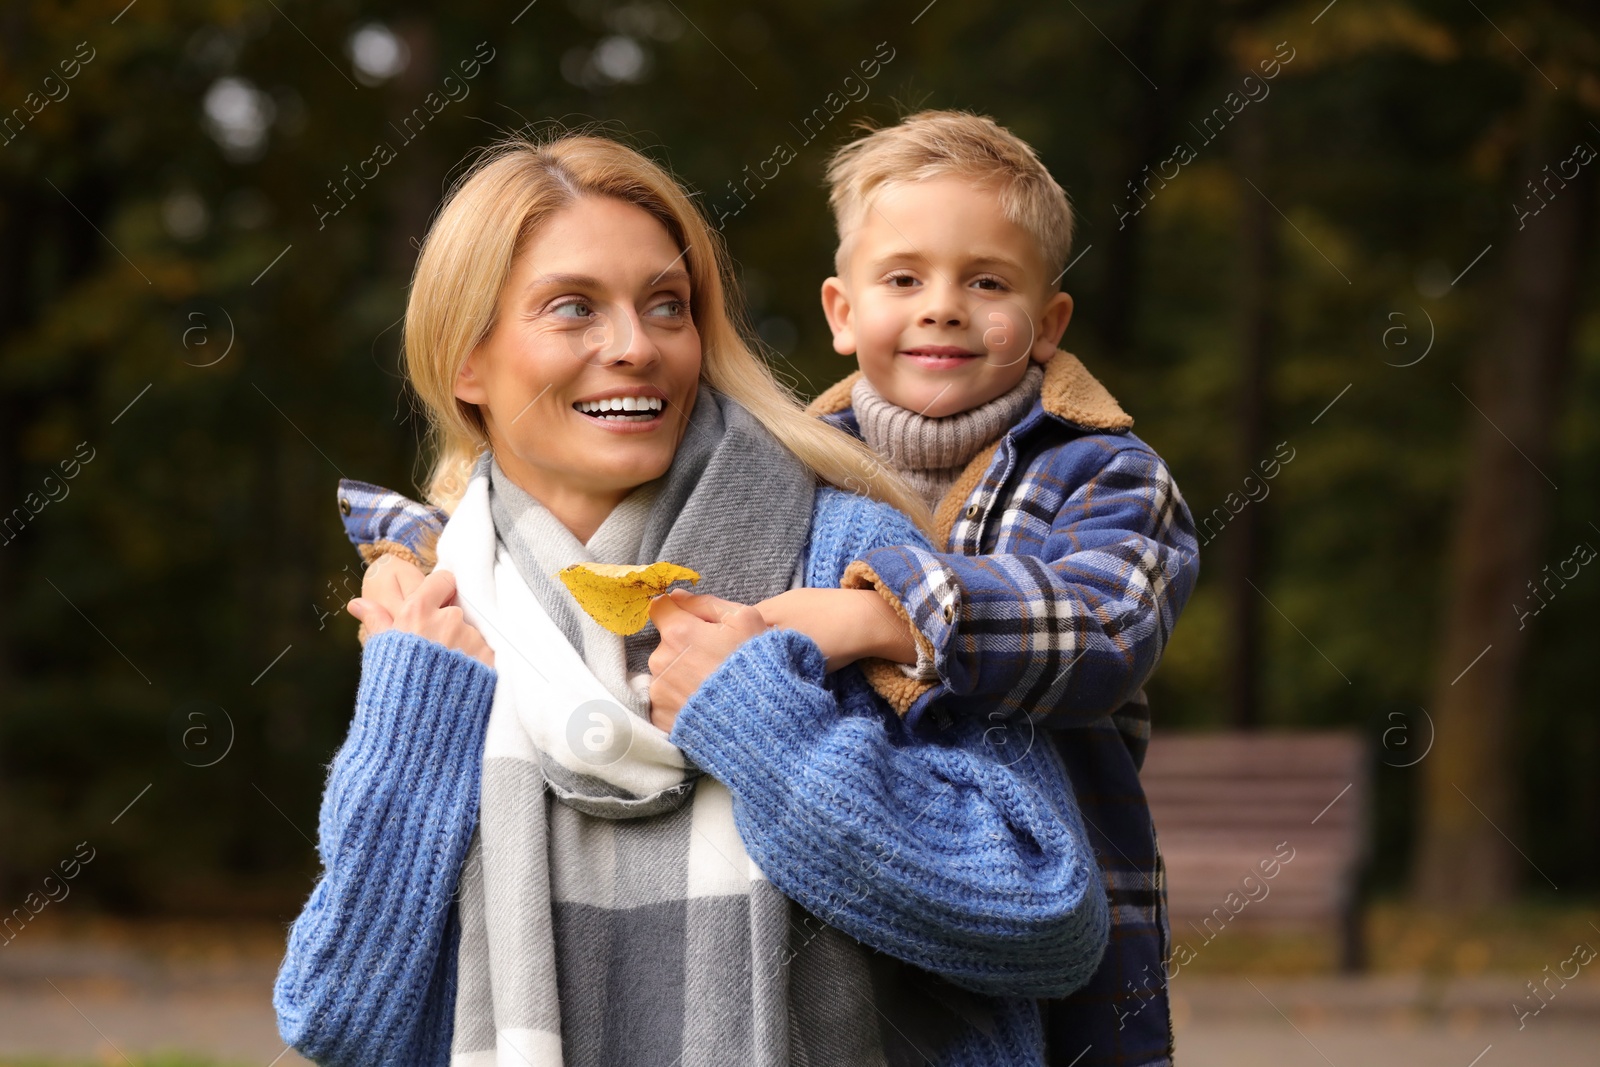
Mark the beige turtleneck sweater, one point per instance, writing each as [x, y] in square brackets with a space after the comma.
[932, 452]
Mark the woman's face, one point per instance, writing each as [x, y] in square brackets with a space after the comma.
[588, 377]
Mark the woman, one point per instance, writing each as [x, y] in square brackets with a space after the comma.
[607, 903]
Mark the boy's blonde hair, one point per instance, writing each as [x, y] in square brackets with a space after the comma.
[489, 216]
[941, 144]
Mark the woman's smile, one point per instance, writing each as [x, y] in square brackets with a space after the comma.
[625, 410]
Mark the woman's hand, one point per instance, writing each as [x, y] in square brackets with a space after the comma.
[698, 632]
[396, 595]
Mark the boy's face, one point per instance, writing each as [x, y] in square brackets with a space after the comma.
[944, 300]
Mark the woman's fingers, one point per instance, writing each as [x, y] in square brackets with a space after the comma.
[678, 629]
[470, 641]
[374, 617]
[395, 594]
[409, 574]
[704, 606]
[436, 590]
[667, 612]
[698, 633]
[449, 626]
[666, 700]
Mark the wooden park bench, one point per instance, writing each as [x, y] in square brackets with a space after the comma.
[1267, 830]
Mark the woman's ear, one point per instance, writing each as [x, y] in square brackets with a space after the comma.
[1052, 324]
[468, 386]
[836, 306]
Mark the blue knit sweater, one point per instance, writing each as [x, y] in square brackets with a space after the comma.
[953, 851]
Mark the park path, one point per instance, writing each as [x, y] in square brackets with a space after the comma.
[97, 998]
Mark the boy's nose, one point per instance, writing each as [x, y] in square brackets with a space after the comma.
[943, 308]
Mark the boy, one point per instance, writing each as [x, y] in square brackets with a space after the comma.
[1069, 550]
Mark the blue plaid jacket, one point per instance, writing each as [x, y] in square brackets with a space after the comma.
[1069, 554]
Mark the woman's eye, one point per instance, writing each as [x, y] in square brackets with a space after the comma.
[573, 309]
[671, 309]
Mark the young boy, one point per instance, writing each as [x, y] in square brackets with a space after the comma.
[1069, 550]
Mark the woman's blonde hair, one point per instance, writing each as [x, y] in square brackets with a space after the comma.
[488, 217]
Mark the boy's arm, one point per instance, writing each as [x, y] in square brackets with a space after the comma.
[1071, 632]
[847, 625]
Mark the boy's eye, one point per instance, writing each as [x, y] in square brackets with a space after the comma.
[900, 281]
[991, 284]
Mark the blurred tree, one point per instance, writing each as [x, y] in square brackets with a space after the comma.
[1258, 329]
[1518, 385]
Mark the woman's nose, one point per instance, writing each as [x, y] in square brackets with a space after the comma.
[629, 343]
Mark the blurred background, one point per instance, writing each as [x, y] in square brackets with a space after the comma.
[1336, 258]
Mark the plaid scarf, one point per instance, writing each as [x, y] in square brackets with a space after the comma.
[624, 923]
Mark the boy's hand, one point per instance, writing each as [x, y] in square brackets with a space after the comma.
[697, 632]
[387, 581]
[401, 599]
[846, 624]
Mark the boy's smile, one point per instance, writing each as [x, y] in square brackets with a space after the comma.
[943, 300]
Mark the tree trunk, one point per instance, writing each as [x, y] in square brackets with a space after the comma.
[1147, 139]
[17, 226]
[1143, 138]
[1466, 857]
[417, 188]
[1258, 330]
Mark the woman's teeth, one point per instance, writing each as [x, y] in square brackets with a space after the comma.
[626, 408]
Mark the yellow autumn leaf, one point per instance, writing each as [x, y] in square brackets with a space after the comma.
[617, 595]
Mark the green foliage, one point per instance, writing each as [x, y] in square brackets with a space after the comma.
[202, 540]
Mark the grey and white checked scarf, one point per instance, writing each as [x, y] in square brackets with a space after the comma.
[623, 924]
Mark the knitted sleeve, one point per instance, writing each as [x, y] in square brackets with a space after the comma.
[943, 854]
[1071, 621]
[964, 854]
[368, 977]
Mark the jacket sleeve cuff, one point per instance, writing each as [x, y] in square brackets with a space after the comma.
[899, 684]
[423, 558]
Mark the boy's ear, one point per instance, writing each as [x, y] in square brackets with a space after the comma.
[836, 306]
[468, 386]
[1052, 324]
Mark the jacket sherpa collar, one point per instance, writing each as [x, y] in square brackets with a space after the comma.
[1070, 393]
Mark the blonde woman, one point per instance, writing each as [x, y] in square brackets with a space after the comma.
[520, 866]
